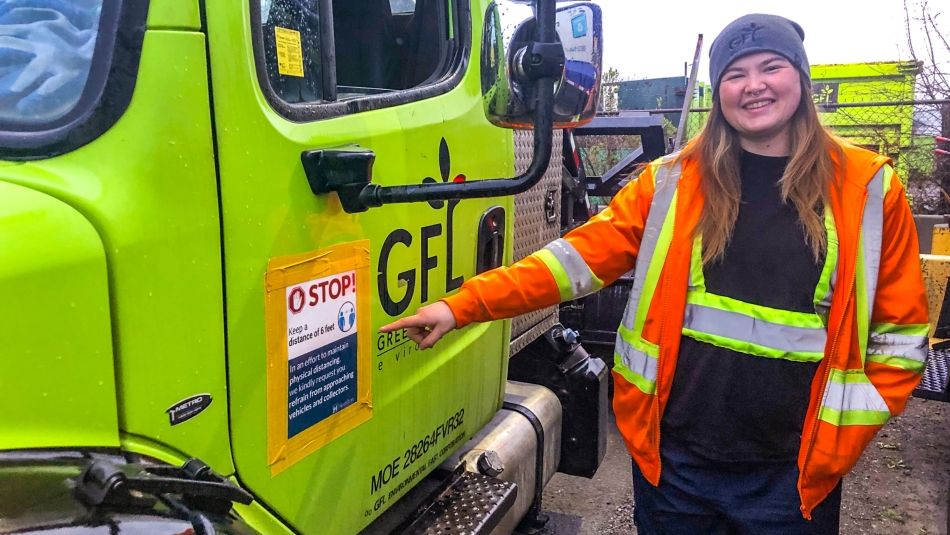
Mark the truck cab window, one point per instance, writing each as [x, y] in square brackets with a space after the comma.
[46, 50]
[378, 47]
[292, 49]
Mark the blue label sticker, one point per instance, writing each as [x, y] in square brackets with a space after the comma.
[579, 25]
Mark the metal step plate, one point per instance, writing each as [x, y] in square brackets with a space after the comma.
[474, 504]
[933, 385]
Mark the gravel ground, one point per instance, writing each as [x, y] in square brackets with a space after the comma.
[900, 485]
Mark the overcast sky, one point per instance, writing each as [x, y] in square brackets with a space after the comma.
[652, 39]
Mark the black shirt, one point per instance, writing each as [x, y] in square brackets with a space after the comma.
[726, 405]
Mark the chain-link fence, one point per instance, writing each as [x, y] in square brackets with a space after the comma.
[909, 131]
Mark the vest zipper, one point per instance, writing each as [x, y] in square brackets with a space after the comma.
[826, 372]
[824, 382]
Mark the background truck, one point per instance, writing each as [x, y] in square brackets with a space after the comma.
[207, 209]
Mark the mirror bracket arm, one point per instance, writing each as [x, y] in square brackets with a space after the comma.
[540, 60]
[350, 174]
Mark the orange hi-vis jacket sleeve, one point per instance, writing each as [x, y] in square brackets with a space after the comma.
[843, 423]
[900, 302]
[607, 243]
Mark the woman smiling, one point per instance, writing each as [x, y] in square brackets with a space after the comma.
[777, 317]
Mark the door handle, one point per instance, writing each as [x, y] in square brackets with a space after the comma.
[345, 170]
[490, 245]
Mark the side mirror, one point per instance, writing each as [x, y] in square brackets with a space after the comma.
[507, 89]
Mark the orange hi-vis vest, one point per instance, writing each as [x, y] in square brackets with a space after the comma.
[869, 330]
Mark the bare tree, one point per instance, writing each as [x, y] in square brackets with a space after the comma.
[927, 43]
[609, 81]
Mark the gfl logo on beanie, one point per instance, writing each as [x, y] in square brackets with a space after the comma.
[757, 33]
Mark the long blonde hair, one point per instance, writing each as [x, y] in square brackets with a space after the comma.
[805, 183]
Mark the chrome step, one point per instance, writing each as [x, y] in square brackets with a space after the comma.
[472, 504]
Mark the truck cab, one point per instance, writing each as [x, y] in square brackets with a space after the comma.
[207, 209]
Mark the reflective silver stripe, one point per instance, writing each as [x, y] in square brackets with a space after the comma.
[666, 179]
[872, 230]
[853, 396]
[635, 360]
[899, 345]
[745, 328]
[582, 280]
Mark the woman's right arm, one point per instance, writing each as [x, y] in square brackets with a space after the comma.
[586, 259]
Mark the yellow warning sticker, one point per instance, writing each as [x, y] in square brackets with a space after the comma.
[318, 349]
[289, 52]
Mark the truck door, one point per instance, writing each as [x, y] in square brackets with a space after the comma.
[331, 421]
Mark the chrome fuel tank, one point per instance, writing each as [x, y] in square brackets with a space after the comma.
[507, 448]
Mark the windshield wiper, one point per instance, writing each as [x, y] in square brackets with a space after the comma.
[104, 483]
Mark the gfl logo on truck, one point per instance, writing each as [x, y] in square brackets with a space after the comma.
[427, 262]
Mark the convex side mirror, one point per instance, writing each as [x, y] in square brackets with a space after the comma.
[510, 55]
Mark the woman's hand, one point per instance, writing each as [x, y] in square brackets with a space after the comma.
[427, 325]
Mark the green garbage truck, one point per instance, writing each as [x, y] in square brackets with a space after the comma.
[208, 208]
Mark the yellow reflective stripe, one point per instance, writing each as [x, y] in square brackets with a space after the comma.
[843, 377]
[750, 348]
[579, 275]
[637, 342]
[851, 399]
[911, 365]
[697, 281]
[636, 360]
[805, 320]
[888, 176]
[910, 329]
[564, 286]
[644, 385]
[853, 417]
[861, 298]
[829, 271]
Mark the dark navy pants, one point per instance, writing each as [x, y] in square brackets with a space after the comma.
[699, 496]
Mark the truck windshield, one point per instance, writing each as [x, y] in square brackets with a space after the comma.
[46, 49]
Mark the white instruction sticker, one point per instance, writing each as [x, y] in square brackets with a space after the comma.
[321, 349]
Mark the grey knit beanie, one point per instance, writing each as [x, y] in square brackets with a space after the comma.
[757, 33]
